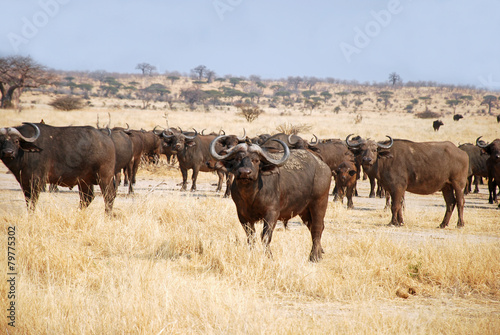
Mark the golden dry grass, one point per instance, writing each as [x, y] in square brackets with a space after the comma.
[177, 263]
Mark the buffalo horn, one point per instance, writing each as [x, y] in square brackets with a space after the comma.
[229, 153]
[290, 140]
[386, 146]
[315, 142]
[191, 137]
[481, 144]
[242, 138]
[351, 144]
[154, 130]
[268, 158]
[14, 131]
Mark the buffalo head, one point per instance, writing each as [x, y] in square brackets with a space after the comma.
[367, 150]
[492, 149]
[178, 140]
[246, 160]
[11, 140]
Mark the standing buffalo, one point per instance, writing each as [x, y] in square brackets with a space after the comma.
[457, 117]
[493, 165]
[422, 168]
[271, 189]
[345, 181]
[192, 153]
[66, 156]
[436, 124]
[477, 165]
[366, 155]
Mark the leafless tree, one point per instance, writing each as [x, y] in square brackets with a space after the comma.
[395, 78]
[199, 72]
[18, 73]
[146, 68]
[294, 82]
[210, 75]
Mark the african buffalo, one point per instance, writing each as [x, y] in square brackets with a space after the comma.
[345, 181]
[292, 141]
[422, 168]
[436, 124]
[366, 155]
[192, 153]
[477, 165]
[124, 154]
[66, 156]
[457, 117]
[493, 165]
[271, 189]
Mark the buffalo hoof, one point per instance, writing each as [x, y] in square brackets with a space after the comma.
[372, 196]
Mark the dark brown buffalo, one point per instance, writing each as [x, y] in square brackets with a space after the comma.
[66, 156]
[422, 168]
[493, 166]
[345, 181]
[270, 189]
[333, 152]
[259, 139]
[436, 124]
[477, 165]
[457, 117]
[192, 153]
[366, 154]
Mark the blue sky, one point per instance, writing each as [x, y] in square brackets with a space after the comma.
[448, 41]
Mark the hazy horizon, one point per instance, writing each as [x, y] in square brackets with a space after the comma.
[449, 42]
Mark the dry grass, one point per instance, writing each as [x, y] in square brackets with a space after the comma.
[178, 263]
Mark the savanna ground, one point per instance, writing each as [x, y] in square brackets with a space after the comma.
[170, 262]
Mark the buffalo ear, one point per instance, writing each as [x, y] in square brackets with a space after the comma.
[190, 143]
[29, 147]
[267, 170]
[385, 154]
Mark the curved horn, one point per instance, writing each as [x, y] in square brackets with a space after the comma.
[267, 156]
[290, 140]
[154, 130]
[128, 128]
[222, 132]
[191, 137]
[169, 130]
[229, 153]
[351, 144]
[479, 143]
[315, 142]
[202, 132]
[242, 138]
[386, 146]
[27, 139]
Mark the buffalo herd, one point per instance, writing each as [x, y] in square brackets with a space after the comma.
[269, 178]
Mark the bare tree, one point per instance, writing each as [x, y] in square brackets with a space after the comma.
[199, 72]
[294, 81]
[18, 73]
[210, 75]
[146, 68]
[395, 78]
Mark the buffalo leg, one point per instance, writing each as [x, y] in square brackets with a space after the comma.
[396, 208]
[31, 190]
[267, 233]
[108, 190]
[229, 182]
[476, 184]
[349, 194]
[372, 187]
[196, 170]
[220, 174]
[249, 228]
[313, 217]
[184, 179]
[450, 200]
[86, 192]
